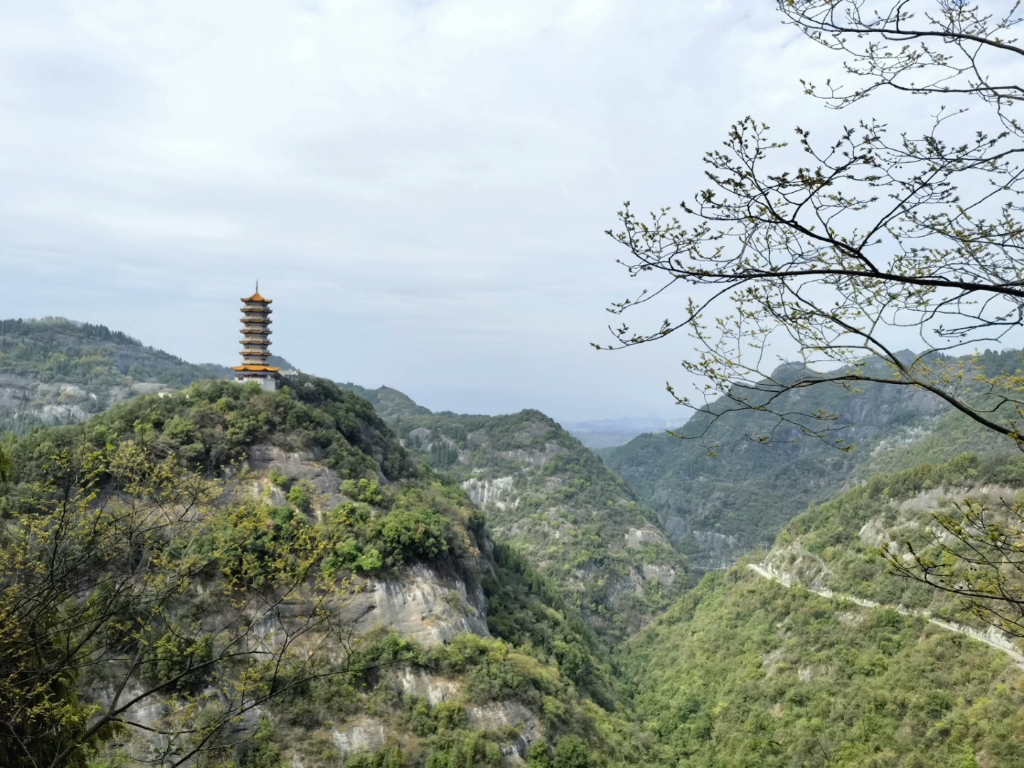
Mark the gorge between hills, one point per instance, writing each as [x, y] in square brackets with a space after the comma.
[330, 575]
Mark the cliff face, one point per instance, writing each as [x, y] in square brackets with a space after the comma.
[461, 650]
[553, 499]
[726, 494]
[817, 652]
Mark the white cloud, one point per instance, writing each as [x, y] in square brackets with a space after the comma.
[421, 186]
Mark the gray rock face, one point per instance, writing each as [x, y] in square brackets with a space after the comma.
[638, 537]
[299, 466]
[499, 491]
[362, 734]
[663, 574]
[421, 605]
[434, 688]
[507, 714]
[22, 399]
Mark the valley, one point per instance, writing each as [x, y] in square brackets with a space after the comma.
[496, 592]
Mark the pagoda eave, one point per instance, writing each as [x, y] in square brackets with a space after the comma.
[256, 368]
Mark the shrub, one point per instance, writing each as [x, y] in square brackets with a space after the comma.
[571, 752]
[417, 533]
[178, 662]
[366, 491]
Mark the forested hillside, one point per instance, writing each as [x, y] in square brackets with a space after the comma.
[58, 371]
[726, 490]
[747, 671]
[453, 650]
[555, 501]
[572, 638]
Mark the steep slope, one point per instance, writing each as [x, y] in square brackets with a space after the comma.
[556, 502]
[745, 672]
[473, 658]
[55, 371]
[723, 505]
[845, 663]
[836, 545]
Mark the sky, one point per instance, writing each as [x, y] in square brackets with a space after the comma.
[421, 186]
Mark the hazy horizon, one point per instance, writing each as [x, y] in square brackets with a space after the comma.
[421, 187]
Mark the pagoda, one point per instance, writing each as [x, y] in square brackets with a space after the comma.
[256, 343]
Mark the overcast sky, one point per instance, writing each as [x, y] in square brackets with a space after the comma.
[421, 186]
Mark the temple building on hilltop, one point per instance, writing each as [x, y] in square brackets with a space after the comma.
[256, 343]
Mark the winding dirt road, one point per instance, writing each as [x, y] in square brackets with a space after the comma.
[991, 638]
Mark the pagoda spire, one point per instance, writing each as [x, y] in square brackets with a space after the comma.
[256, 343]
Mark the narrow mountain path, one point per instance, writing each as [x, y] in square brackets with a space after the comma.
[991, 638]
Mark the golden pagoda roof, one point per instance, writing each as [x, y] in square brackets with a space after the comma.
[256, 297]
[260, 368]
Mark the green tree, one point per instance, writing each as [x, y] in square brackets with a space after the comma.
[6, 464]
[571, 752]
[841, 251]
[838, 252]
[135, 566]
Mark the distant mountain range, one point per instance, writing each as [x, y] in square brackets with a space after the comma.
[543, 491]
[521, 593]
[608, 433]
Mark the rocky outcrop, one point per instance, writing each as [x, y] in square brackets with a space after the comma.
[499, 492]
[299, 466]
[28, 401]
[422, 605]
[500, 716]
[432, 688]
[361, 734]
[663, 574]
[636, 538]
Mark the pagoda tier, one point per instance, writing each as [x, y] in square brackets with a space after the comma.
[256, 343]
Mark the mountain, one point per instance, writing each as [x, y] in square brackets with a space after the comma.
[58, 371]
[820, 655]
[608, 433]
[554, 501]
[501, 595]
[544, 492]
[463, 654]
[55, 371]
[728, 493]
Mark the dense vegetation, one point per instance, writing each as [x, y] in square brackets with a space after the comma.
[728, 490]
[214, 424]
[743, 672]
[54, 349]
[385, 515]
[555, 501]
[737, 672]
[838, 544]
